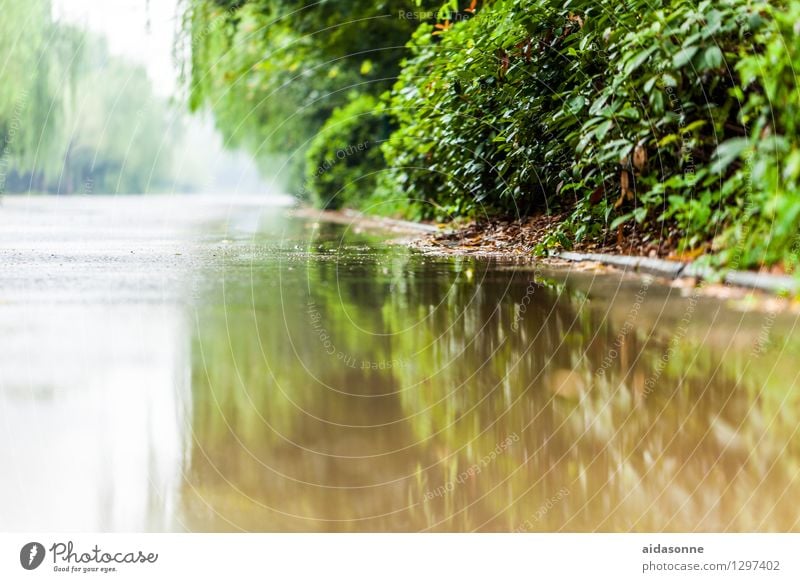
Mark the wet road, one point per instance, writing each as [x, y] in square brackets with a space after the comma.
[193, 363]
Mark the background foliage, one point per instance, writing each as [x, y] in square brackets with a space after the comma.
[273, 72]
[344, 158]
[73, 118]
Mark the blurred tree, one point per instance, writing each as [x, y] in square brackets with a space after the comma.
[74, 118]
[272, 72]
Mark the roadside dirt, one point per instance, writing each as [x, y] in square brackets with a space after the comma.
[515, 238]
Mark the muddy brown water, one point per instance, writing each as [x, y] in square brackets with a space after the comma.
[205, 364]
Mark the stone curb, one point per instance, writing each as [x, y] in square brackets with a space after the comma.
[679, 270]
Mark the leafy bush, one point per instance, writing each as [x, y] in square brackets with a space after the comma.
[653, 114]
[344, 158]
[475, 106]
[767, 164]
[674, 118]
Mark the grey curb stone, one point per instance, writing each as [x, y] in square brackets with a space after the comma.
[678, 270]
[659, 267]
[773, 283]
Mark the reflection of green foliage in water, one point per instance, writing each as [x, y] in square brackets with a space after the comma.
[594, 450]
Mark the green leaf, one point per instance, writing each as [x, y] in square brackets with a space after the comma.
[712, 58]
[683, 56]
[637, 60]
[669, 80]
[564, 241]
[603, 128]
[693, 125]
[621, 220]
[576, 104]
[668, 139]
[629, 113]
[651, 82]
[727, 152]
[791, 168]
[598, 105]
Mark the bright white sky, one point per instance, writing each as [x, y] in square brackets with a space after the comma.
[137, 29]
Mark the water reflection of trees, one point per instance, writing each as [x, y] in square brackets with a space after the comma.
[290, 437]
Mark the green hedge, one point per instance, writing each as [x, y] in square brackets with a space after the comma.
[674, 118]
[344, 159]
[677, 116]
